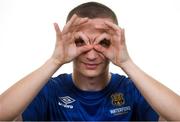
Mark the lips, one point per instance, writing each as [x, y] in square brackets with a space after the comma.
[90, 66]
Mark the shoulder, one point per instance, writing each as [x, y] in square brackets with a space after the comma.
[56, 84]
[122, 81]
[125, 85]
[59, 80]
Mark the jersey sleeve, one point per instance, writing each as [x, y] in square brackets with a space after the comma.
[143, 111]
[37, 109]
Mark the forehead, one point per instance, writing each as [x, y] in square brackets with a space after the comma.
[94, 27]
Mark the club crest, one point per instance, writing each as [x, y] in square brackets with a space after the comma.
[117, 99]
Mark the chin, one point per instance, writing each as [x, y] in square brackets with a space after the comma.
[91, 73]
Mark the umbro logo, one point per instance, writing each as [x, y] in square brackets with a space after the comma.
[65, 101]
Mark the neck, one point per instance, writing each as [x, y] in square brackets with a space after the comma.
[91, 83]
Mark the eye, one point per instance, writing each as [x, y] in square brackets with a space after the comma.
[79, 42]
[105, 43]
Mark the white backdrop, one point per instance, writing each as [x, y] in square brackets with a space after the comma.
[27, 36]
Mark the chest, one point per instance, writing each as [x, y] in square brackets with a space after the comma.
[115, 106]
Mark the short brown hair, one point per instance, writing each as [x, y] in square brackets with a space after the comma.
[93, 10]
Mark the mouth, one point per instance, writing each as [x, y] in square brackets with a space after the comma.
[91, 66]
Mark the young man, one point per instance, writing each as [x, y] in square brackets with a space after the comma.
[91, 39]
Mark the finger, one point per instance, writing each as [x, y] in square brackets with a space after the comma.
[112, 25]
[69, 23]
[104, 51]
[57, 29]
[80, 21]
[83, 49]
[123, 36]
[82, 36]
[101, 27]
[115, 31]
[101, 37]
[100, 49]
[73, 24]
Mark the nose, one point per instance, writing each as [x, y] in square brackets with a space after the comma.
[91, 55]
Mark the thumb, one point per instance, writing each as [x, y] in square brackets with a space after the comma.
[100, 49]
[83, 49]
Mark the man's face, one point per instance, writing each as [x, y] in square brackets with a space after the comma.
[92, 63]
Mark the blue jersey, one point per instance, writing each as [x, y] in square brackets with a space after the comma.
[61, 100]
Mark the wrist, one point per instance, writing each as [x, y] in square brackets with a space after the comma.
[125, 64]
[54, 62]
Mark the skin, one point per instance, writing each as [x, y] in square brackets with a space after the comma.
[117, 53]
[93, 74]
[96, 77]
[93, 58]
[29, 86]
